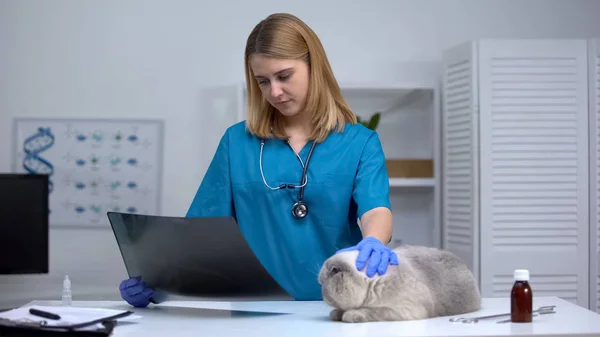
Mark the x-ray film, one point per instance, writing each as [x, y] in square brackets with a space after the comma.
[206, 257]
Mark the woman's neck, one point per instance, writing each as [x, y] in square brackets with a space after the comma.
[298, 126]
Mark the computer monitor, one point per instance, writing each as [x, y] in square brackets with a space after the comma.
[24, 217]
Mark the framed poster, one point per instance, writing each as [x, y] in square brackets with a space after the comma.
[94, 165]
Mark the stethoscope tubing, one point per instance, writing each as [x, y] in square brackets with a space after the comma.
[303, 182]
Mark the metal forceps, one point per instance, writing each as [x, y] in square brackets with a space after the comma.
[549, 309]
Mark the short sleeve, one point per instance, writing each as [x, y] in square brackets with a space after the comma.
[371, 184]
[214, 196]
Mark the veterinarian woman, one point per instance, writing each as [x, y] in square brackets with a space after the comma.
[297, 122]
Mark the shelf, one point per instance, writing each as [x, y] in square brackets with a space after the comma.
[396, 87]
[366, 99]
[412, 182]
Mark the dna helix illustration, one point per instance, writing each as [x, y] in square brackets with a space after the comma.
[35, 144]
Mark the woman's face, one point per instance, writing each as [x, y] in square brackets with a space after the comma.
[284, 83]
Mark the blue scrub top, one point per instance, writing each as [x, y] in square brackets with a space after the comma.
[347, 177]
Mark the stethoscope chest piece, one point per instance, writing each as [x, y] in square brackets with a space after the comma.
[299, 210]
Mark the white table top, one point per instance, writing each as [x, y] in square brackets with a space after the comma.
[289, 318]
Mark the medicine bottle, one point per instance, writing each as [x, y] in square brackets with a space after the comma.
[521, 298]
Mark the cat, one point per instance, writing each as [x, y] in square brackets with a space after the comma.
[427, 282]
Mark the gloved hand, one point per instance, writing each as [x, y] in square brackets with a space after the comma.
[135, 292]
[378, 254]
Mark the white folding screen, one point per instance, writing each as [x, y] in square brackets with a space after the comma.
[524, 162]
[460, 206]
[594, 122]
[534, 172]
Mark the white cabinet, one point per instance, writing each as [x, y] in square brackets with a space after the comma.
[516, 164]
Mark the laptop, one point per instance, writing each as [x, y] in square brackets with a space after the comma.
[206, 257]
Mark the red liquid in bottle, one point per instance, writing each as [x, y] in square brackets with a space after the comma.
[521, 298]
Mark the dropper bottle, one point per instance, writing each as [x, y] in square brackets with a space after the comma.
[66, 293]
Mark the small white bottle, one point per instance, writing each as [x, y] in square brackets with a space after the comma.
[66, 293]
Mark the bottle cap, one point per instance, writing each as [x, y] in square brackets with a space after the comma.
[66, 282]
[521, 275]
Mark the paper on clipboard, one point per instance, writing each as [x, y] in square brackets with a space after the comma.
[69, 316]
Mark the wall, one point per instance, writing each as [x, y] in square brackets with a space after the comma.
[157, 58]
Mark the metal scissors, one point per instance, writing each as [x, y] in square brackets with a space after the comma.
[549, 309]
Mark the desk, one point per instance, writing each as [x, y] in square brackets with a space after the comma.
[288, 318]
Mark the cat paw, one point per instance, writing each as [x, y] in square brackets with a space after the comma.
[336, 315]
[354, 316]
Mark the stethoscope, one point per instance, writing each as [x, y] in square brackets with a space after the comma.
[299, 209]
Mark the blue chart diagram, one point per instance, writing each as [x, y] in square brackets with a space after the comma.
[33, 146]
[94, 165]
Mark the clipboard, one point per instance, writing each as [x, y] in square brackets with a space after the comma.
[22, 329]
[103, 327]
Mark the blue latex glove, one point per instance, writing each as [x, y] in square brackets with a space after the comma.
[135, 292]
[378, 254]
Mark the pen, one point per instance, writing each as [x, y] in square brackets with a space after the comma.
[43, 314]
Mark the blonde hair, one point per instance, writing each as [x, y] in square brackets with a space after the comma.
[284, 36]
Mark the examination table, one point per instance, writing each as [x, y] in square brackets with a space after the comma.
[290, 318]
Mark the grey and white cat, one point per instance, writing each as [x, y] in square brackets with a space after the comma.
[426, 283]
